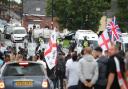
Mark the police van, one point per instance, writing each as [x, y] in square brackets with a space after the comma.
[124, 45]
[91, 37]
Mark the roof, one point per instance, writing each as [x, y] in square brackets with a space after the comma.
[34, 7]
[15, 28]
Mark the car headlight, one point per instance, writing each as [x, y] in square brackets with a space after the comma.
[14, 37]
[45, 84]
[2, 85]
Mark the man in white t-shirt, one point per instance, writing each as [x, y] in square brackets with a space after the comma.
[69, 62]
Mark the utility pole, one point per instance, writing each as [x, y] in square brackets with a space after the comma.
[52, 14]
[9, 8]
[22, 12]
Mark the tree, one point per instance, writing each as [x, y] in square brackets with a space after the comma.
[78, 14]
[122, 14]
[4, 1]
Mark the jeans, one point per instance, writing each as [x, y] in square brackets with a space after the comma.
[99, 87]
[82, 86]
[73, 87]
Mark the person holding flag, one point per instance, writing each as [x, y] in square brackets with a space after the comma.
[116, 66]
[50, 52]
[116, 70]
[50, 55]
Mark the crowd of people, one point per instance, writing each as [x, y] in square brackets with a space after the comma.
[91, 69]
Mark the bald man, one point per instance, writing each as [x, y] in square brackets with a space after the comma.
[112, 74]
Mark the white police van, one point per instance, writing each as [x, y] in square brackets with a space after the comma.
[91, 36]
[124, 45]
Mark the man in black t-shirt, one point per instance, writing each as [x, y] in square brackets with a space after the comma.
[112, 74]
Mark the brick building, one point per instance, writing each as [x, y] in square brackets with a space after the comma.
[34, 14]
[3, 9]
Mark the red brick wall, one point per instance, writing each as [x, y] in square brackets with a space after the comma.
[44, 21]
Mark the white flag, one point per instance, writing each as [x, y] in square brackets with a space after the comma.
[104, 41]
[50, 53]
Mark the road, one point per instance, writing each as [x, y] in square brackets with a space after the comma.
[31, 46]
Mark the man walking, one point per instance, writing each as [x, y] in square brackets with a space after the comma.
[30, 35]
[103, 70]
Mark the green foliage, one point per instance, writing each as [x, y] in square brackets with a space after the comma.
[122, 4]
[78, 14]
[122, 15]
[7, 2]
[4, 1]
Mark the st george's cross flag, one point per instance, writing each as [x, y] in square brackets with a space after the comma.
[122, 82]
[104, 41]
[50, 52]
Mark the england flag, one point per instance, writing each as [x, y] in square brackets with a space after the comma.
[104, 41]
[51, 52]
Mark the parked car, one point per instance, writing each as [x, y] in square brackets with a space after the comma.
[2, 25]
[69, 36]
[7, 32]
[2, 28]
[19, 34]
[24, 75]
[43, 32]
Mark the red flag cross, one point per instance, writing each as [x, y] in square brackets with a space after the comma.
[51, 45]
[105, 41]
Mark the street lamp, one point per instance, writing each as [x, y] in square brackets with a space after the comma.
[52, 14]
[22, 11]
[9, 8]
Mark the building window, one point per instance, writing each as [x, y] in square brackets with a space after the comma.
[38, 9]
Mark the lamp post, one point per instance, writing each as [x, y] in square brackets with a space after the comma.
[22, 1]
[86, 21]
[9, 8]
[52, 15]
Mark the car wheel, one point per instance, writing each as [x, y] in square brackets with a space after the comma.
[7, 37]
[4, 36]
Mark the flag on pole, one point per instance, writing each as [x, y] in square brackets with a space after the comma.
[122, 82]
[104, 41]
[114, 31]
[50, 53]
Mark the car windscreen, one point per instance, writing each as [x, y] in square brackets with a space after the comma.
[20, 31]
[31, 69]
[9, 30]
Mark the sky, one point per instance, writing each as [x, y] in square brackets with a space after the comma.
[18, 1]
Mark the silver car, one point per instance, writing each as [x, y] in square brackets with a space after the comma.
[24, 75]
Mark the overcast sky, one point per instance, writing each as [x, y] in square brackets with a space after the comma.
[18, 1]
